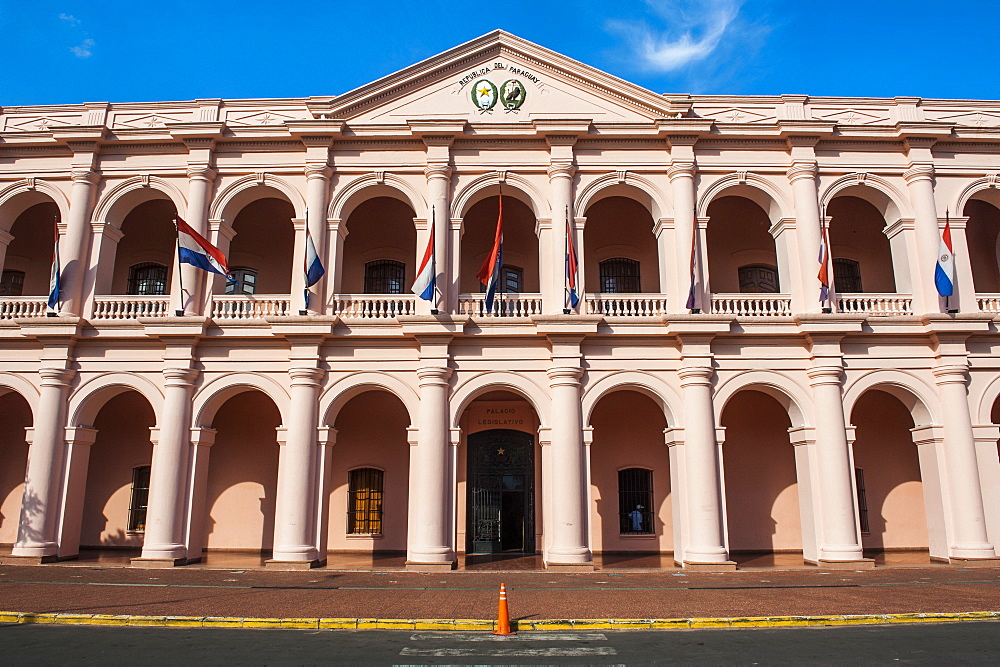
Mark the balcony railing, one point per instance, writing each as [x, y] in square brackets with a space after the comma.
[121, 307]
[17, 307]
[373, 306]
[752, 305]
[249, 306]
[506, 305]
[875, 304]
[626, 305]
[988, 303]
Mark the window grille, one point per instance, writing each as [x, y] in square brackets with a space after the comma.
[364, 504]
[140, 498]
[847, 276]
[243, 281]
[620, 275]
[384, 276]
[12, 283]
[635, 501]
[147, 279]
[758, 279]
[511, 279]
[859, 477]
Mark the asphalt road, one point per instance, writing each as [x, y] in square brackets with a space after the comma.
[939, 643]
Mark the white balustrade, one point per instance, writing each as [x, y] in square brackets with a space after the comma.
[875, 304]
[249, 306]
[988, 303]
[626, 305]
[121, 307]
[752, 305]
[505, 305]
[373, 306]
[17, 307]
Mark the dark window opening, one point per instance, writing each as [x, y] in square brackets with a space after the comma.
[364, 504]
[147, 279]
[847, 276]
[635, 501]
[12, 283]
[242, 281]
[620, 275]
[140, 498]
[859, 478]
[758, 279]
[384, 276]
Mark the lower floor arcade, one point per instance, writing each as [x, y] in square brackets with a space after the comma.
[621, 470]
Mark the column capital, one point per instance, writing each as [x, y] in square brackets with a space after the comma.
[318, 170]
[951, 374]
[564, 376]
[681, 169]
[201, 172]
[919, 172]
[180, 377]
[802, 169]
[824, 375]
[436, 170]
[433, 375]
[56, 377]
[695, 375]
[306, 376]
[203, 436]
[85, 176]
[81, 435]
[561, 170]
[326, 436]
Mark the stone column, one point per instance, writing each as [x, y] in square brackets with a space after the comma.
[294, 539]
[454, 271]
[202, 438]
[802, 176]
[969, 537]
[839, 541]
[429, 538]
[317, 185]
[964, 298]
[682, 189]
[73, 247]
[196, 281]
[5, 240]
[920, 182]
[168, 483]
[439, 198]
[335, 272]
[706, 548]
[37, 536]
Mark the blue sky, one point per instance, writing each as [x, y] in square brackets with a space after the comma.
[108, 50]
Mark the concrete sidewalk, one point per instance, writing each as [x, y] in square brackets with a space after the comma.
[468, 600]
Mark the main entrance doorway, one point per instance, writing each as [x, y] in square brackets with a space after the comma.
[501, 492]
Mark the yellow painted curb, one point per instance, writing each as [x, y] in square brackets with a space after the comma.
[549, 625]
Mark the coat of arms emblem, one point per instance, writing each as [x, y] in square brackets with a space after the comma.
[512, 94]
[484, 95]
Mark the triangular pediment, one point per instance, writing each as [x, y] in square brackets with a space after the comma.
[499, 78]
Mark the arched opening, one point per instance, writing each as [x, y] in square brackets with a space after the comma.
[369, 479]
[761, 487]
[113, 504]
[741, 251]
[243, 475]
[380, 248]
[620, 248]
[989, 454]
[15, 417]
[983, 235]
[520, 278]
[631, 514]
[891, 494]
[262, 249]
[144, 256]
[861, 252]
[499, 474]
[26, 265]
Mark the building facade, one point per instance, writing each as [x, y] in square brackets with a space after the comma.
[177, 412]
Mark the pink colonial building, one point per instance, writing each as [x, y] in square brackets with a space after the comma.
[235, 416]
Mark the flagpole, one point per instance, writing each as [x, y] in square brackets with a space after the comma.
[695, 265]
[947, 299]
[824, 240]
[437, 297]
[305, 269]
[500, 279]
[180, 275]
[566, 308]
[54, 312]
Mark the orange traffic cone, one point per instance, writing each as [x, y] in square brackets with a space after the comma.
[503, 618]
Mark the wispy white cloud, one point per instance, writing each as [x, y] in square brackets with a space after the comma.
[83, 49]
[70, 19]
[687, 31]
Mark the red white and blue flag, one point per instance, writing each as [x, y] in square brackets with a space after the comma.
[423, 286]
[824, 261]
[489, 274]
[194, 249]
[571, 266]
[944, 272]
[692, 301]
[54, 282]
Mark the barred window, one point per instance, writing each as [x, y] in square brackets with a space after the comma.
[620, 275]
[243, 280]
[635, 501]
[140, 498]
[384, 276]
[859, 478]
[758, 279]
[364, 503]
[12, 283]
[847, 276]
[147, 279]
[511, 279]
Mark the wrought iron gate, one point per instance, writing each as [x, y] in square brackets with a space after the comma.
[500, 503]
